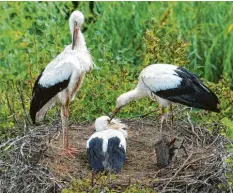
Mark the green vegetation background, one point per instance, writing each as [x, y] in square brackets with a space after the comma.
[123, 38]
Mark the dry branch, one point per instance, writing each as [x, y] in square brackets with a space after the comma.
[177, 172]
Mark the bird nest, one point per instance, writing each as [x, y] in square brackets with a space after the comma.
[28, 163]
[20, 163]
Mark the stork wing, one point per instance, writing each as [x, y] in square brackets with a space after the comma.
[181, 86]
[53, 79]
[95, 154]
[115, 156]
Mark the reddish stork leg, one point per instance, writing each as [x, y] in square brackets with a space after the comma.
[64, 115]
[172, 118]
[67, 150]
[163, 117]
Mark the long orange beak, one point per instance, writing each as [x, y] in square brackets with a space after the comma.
[114, 113]
[75, 35]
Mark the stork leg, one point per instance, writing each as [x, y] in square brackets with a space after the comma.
[163, 118]
[64, 118]
[172, 118]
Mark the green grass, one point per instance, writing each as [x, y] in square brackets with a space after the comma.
[197, 35]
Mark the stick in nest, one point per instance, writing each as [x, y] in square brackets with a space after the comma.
[177, 172]
[20, 159]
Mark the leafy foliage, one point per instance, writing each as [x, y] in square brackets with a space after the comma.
[102, 183]
[27, 43]
[164, 48]
[123, 37]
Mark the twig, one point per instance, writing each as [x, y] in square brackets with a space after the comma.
[189, 120]
[140, 116]
[199, 159]
[12, 143]
[213, 142]
[4, 144]
[180, 178]
[23, 103]
[183, 147]
[145, 115]
[11, 109]
[157, 173]
[177, 172]
[21, 149]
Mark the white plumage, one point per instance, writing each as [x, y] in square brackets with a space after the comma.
[169, 84]
[106, 130]
[106, 148]
[159, 77]
[63, 77]
[106, 135]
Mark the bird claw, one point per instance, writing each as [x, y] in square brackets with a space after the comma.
[70, 151]
[173, 139]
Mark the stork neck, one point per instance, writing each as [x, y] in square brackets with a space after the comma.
[80, 41]
[131, 95]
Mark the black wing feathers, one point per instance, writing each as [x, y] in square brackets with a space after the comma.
[191, 92]
[41, 95]
[112, 160]
[116, 154]
[95, 154]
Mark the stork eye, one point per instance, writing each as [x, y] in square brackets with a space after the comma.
[124, 128]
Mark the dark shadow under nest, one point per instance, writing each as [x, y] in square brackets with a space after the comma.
[30, 163]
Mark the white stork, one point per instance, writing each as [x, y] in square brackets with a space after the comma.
[169, 84]
[106, 148]
[62, 78]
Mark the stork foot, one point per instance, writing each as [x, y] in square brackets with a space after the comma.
[173, 139]
[69, 151]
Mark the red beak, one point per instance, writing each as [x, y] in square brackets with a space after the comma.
[75, 35]
[114, 113]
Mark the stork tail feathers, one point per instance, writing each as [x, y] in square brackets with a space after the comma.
[42, 95]
[33, 110]
[201, 98]
[206, 100]
[199, 95]
[191, 92]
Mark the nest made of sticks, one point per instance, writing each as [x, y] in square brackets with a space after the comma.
[20, 168]
[198, 163]
[197, 166]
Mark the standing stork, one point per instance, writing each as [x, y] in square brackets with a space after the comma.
[62, 78]
[169, 84]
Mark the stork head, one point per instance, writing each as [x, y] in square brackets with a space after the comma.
[126, 98]
[121, 101]
[76, 20]
[101, 123]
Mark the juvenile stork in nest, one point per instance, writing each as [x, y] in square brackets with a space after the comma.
[62, 78]
[106, 148]
[169, 84]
